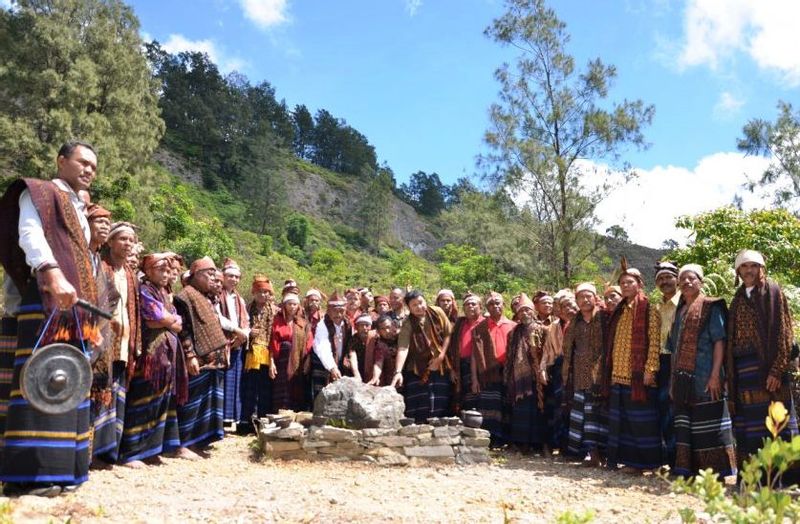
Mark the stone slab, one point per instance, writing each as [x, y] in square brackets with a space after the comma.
[475, 432]
[336, 434]
[394, 441]
[447, 441]
[446, 431]
[429, 451]
[480, 442]
[277, 446]
[415, 429]
[378, 432]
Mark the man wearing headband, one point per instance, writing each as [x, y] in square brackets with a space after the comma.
[99, 225]
[205, 349]
[312, 308]
[703, 434]
[543, 303]
[330, 342]
[446, 300]
[489, 339]
[356, 362]
[461, 350]
[257, 394]
[667, 282]
[289, 344]
[632, 360]
[759, 345]
[44, 250]
[581, 376]
[236, 324]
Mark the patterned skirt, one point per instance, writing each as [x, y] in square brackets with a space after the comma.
[665, 417]
[288, 393]
[557, 421]
[634, 433]
[200, 419]
[8, 347]
[527, 423]
[41, 448]
[752, 406]
[588, 424]
[704, 439]
[468, 398]
[257, 394]
[490, 403]
[234, 387]
[108, 421]
[427, 400]
[151, 421]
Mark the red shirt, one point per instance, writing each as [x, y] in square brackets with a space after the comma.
[499, 332]
[283, 332]
[465, 344]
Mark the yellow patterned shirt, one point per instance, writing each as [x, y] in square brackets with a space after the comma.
[621, 351]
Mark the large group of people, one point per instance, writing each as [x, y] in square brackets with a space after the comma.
[608, 377]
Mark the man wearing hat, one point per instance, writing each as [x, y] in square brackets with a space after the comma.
[330, 342]
[759, 344]
[44, 250]
[99, 225]
[543, 303]
[257, 395]
[632, 360]
[489, 340]
[666, 282]
[236, 323]
[581, 375]
[703, 434]
[205, 349]
[312, 308]
[461, 351]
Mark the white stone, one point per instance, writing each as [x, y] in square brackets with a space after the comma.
[277, 446]
[429, 451]
[336, 434]
[445, 441]
[313, 444]
[475, 432]
[415, 429]
[480, 442]
[394, 441]
[446, 431]
[378, 432]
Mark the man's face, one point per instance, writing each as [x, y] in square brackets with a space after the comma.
[750, 273]
[445, 302]
[159, 275]
[121, 244]
[472, 309]
[418, 307]
[629, 285]
[568, 309]
[79, 169]
[396, 299]
[100, 227]
[586, 301]
[544, 307]
[690, 284]
[667, 283]
[336, 313]
[525, 315]
[205, 281]
[362, 330]
[612, 298]
[353, 301]
[386, 330]
[133, 262]
[313, 301]
[495, 308]
[366, 299]
[290, 309]
[382, 307]
[230, 280]
[261, 296]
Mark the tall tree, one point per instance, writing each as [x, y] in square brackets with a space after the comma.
[303, 132]
[780, 141]
[74, 69]
[426, 193]
[549, 118]
[373, 210]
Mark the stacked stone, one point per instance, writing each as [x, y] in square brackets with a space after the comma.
[416, 444]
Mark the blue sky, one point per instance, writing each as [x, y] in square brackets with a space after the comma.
[416, 77]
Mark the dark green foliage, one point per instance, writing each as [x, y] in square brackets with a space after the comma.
[297, 230]
[303, 132]
[426, 193]
[339, 147]
[350, 235]
[374, 212]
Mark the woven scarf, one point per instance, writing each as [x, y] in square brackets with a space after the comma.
[522, 360]
[694, 318]
[639, 345]
[427, 340]
[206, 329]
[487, 368]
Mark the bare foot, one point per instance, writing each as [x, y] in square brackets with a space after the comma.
[135, 464]
[546, 452]
[630, 471]
[186, 453]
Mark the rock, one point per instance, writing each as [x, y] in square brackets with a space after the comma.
[277, 446]
[429, 451]
[359, 405]
[446, 441]
[446, 431]
[480, 442]
[393, 460]
[466, 459]
[415, 429]
[378, 432]
[313, 444]
[394, 441]
[294, 431]
[384, 452]
[336, 434]
[475, 432]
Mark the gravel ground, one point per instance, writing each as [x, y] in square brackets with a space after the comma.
[231, 485]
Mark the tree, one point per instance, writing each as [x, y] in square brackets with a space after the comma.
[303, 132]
[373, 208]
[74, 69]
[548, 120]
[426, 193]
[463, 268]
[780, 141]
[617, 232]
[297, 230]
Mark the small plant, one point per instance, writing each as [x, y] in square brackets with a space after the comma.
[571, 517]
[761, 497]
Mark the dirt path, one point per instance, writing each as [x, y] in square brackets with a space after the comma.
[230, 486]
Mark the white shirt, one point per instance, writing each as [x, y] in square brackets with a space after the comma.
[749, 290]
[322, 345]
[231, 324]
[121, 313]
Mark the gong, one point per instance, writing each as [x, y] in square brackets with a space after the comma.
[56, 378]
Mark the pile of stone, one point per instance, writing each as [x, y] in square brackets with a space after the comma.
[354, 421]
[415, 444]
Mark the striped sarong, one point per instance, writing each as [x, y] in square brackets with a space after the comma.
[108, 421]
[752, 406]
[557, 421]
[665, 418]
[42, 448]
[490, 403]
[200, 419]
[704, 439]
[8, 346]
[151, 422]
[256, 394]
[588, 424]
[468, 398]
[233, 387]
[634, 434]
[426, 400]
[527, 423]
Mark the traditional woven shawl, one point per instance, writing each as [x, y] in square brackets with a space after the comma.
[523, 359]
[595, 338]
[639, 345]
[206, 329]
[454, 355]
[685, 360]
[488, 369]
[299, 340]
[427, 341]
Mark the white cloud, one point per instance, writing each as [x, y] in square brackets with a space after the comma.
[266, 13]
[412, 6]
[177, 43]
[727, 105]
[5, 4]
[647, 206]
[765, 30]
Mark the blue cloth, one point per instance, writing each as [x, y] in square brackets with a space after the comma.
[234, 386]
[713, 331]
